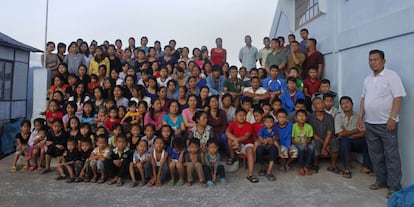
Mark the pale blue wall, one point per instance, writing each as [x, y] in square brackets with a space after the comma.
[347, 32]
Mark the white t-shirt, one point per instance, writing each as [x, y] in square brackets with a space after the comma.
[378, 93]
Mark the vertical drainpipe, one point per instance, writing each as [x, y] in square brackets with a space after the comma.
[337, 54]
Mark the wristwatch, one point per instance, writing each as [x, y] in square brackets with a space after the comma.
[393, 118]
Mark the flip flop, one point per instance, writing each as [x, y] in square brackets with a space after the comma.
[301, 172]
[270, 177]
[347, 174]
[134, 184]
[252, 179]
[335, 170]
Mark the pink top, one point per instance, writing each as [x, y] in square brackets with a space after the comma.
[157, 119]
[187, 114]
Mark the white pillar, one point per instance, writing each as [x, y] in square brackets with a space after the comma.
[40, 88]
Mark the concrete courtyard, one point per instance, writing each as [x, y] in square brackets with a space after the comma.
[322, 189]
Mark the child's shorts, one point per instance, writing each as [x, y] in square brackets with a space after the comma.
[53, 151]
[244, 147]
[292, 152]
[99, 164]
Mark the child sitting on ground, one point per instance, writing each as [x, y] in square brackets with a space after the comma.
[267, 141]
[121, 157]
[159, 163]
[70, 157]
[99, 156]
[22, 148]
[287, 151]
[193, 161]
[56, 143]
[38, 148]
[176, 152]
[141, 163]
[82, 167]
[302, 134]
[213, 170]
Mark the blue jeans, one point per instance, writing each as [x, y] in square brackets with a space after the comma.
[305, 155]
[261, 150]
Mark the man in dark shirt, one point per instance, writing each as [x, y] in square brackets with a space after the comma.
[323, 136]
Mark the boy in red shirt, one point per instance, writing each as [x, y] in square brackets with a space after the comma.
[240, 133]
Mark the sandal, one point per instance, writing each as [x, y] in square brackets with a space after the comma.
[111, 182]
[119, 183]
[24, 168]
[262, 172]
[230, 161]
[308, 172]
[13, 169]
[180, 183]
[100, 181]
[32, 168]
[315, 169]
[70, 180]
[335, 170]
[252, 179]
[203, 184]
[60, 177]
[301, 172]
[94, 180]
[270, 177]
[347, 174]
[134, 184]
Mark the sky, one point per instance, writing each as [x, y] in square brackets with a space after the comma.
[190, 23]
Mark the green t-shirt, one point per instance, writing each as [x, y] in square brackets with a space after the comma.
[234, 86]
[301, 135]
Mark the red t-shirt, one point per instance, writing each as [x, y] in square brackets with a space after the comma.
[217, 58]
[241, 131]
[108, 123]
[312, 87]
[315, 58]
[50, 116]
[256, 129]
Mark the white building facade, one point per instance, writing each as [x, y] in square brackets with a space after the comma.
[346, 30]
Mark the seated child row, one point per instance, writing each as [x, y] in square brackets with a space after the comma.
[287, 141]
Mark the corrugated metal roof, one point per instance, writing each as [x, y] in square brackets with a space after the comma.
[10, 42]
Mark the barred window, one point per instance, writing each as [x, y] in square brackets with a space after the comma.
[305, 12]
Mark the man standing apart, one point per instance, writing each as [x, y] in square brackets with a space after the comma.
[248, 54]
[380, 103]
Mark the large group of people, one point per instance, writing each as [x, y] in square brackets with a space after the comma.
[162, 115]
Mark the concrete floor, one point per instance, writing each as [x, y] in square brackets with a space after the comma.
[322, 189]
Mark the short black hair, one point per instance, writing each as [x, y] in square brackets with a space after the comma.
[325, 81]
[304, 30]
[194, 141]
[328, 95]
[379, 52]
[346, 98]
[293, 79]
[300, 101]
[269, 117]
[301, 111]
[281, 111]
[258, 110]
[178, 143]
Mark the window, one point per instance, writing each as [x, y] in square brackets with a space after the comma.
[305, 12]
[6, 75]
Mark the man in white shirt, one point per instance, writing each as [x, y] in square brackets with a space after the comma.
[381, 99]
[248, 54]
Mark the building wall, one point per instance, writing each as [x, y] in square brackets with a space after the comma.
[347, 32]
